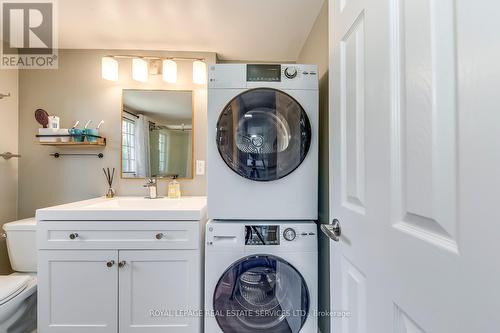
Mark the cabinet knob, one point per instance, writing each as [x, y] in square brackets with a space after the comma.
[122, 264]
[73, 236]
[110, 263]
[159, 236]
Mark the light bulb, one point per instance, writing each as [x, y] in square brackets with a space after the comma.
[109, 68]
[169, 71]
[199, 72]
[140, 69]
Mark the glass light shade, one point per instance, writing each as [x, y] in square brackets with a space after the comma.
[140, 70]
[109, 68]
[169, 71]
[199, 72]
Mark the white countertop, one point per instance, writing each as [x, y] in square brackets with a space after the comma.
[127, 209]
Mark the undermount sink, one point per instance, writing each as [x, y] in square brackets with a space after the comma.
[127, 209]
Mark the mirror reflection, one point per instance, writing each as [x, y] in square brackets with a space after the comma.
[157, 133]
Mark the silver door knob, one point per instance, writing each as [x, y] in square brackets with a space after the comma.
[122, 264]
[333, 231]
[8, 155]
[110, 263]
[73, 236]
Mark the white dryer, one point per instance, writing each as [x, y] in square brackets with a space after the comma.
[261, 277]
[262, 154]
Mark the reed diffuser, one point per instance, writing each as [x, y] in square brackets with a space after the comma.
[109, 178]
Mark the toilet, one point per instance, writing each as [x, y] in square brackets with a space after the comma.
[18, 290]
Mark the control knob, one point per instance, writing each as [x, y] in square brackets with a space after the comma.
[289, 234]
[290, 72]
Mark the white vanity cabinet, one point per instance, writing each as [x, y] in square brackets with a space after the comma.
[78, 293]
[112, 276]
[159, 291]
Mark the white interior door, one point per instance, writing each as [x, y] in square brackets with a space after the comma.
[415, 165]
[9, 167]
[359, 79]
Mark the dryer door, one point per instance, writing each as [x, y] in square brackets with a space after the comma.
[261, 294]
[263, 134]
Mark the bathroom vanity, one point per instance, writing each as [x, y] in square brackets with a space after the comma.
[122, 265]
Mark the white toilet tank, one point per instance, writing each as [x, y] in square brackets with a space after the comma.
[21, 244]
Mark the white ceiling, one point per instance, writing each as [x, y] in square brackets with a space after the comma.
[256, 30]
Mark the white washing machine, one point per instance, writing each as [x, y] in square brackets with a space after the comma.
[261, 277]
[262, 155]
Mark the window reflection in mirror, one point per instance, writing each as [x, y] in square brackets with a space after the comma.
[157, 133]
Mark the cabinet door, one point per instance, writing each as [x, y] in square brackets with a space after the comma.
[78, 292]
[160, 291]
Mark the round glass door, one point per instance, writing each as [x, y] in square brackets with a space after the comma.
[263, 134]
[261, 294]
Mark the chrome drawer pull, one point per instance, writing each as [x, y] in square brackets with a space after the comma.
[160, 236]
[73, 236]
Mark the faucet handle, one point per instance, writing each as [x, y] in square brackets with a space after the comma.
[150, 181]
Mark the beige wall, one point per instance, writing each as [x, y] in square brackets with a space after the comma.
[8, 169]
[76, 92]
[315, 51]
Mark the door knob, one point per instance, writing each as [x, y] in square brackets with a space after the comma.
[73, 236]
[159, 236]
[8, 155]
[122, 264]
[110, 263]
[333, 231]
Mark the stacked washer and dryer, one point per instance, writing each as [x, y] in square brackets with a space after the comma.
[261, 244]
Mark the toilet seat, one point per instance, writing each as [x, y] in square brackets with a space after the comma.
[11, 286]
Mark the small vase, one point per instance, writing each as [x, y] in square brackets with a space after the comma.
[111, 193]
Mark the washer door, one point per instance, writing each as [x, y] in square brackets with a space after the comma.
[261, 294]
[263, 134]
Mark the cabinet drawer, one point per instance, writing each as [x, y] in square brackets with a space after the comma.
[118, 235]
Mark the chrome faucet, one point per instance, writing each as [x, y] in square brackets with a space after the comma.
[152, 185]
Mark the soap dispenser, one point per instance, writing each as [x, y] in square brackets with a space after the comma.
[174, 188]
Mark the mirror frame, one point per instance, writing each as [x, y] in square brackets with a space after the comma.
[192, 132]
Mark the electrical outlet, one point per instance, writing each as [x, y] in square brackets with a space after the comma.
[200, 167]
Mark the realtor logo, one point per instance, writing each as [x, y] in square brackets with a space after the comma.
[28, 34]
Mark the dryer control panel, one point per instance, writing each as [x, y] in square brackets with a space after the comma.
[248, 76]
[263, 73]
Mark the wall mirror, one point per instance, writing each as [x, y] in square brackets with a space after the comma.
[157, 133]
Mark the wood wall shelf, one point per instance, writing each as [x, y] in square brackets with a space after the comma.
[99, 141]
[75, 144]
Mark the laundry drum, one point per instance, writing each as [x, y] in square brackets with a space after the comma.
[261, 294]
[263, 134]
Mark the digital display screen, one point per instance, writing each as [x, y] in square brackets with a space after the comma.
[263, 73]
[262, 235]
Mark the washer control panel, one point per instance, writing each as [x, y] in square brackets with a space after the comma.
[262, 235]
